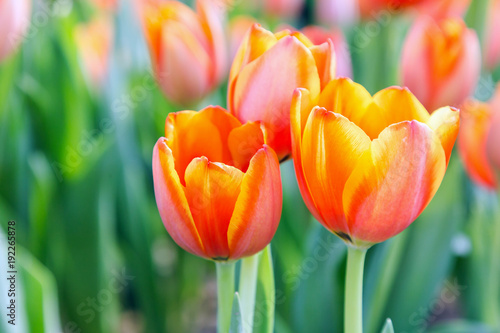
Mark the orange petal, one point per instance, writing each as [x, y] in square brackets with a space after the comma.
[172, 203]
[445, 123]
[475, 126]
[393, 182]
[324, 55]
[331, 147]
[244, 142]
[211, 191]
[264, 89]
[194, 134]
[347, 98]
[258, 208]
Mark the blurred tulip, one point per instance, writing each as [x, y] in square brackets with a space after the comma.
[14, 21]
[440, 9]
[479, 140]
[188, 50]
[94, 40]
[441, 61]
[368, 166]
[238, 28]
[318, 35]
[283, 8]
[217, 185]
[106, 5]
[265, 72]
[373, 8]
[336, 12]
[492, 54]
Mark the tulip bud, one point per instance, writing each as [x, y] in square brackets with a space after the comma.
[492, 54]
[441, 61]
[188, 49]
[368, 166]
[265, 72]
[94, 40]
[14, 20]
[217, 185]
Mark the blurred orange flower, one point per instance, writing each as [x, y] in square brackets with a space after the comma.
[14, 20]
[265, 72]
[479, 141]
[368, 166]
[188, 49]
[441, 61]
[217, 185]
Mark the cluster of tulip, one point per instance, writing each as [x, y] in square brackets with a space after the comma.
[367, 166]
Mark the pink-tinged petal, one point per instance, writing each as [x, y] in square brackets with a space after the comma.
[265, 87]
[211, 191]
[493, 142]
[331, 148]
[445, 123]
[393, 182]
[258, 207]
[324, 55]
[172, 203]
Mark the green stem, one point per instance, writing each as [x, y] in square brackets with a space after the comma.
[225, 294]
[353, 312]
[247, 289]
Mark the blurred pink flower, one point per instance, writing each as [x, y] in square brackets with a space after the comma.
[107, 5]
[336, 12]
[444, 8]
[441, 61]
[14, 20]
[319, 35]
[492, 38]
[283, 8]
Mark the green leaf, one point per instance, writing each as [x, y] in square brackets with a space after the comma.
[236, 320]
[388, 328]
[265, 299]
[460, 326]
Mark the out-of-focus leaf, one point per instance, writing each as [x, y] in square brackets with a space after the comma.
[388, 328]
[460, 326]
[236, 321]
[265, 298]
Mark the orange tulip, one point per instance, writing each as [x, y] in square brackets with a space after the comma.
[368, 166]
[14, 20]
[188, 49]
[479, 140]
[217, 185]
[94, 45]
[492, 54]
[265, 72]
[441, 61]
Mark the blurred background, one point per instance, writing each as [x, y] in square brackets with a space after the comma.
[80, 111]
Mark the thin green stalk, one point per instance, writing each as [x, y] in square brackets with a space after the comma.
[225, 294]
[247, 289]
[353, 312]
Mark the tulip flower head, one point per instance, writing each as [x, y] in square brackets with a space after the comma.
[188, 49]
[492, 54]
[265, 72]
[479, 141]
[368, 166]
[441, 61]
[14, 20]
[217, 185]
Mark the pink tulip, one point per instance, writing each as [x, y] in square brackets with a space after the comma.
[492, 56]
[14, 20]
[441, 61]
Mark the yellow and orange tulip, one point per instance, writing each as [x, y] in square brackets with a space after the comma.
[14, 20]
[479, 141]
[368, 166]
[217, 185]
[188, 49]
[266, 70]
[441, 61]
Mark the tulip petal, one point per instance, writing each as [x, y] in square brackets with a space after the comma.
[324, 55]
[194, 134]
[172, 203]
[264, 89]
[244, 142]
[347, 98]
[258, 208]
[300, 110]
[211, 191]
[331, 147]
[445, 123]
[393, 181]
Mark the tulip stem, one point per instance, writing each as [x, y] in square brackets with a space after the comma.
[225, 294]
[247, 289]
[353, 312]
